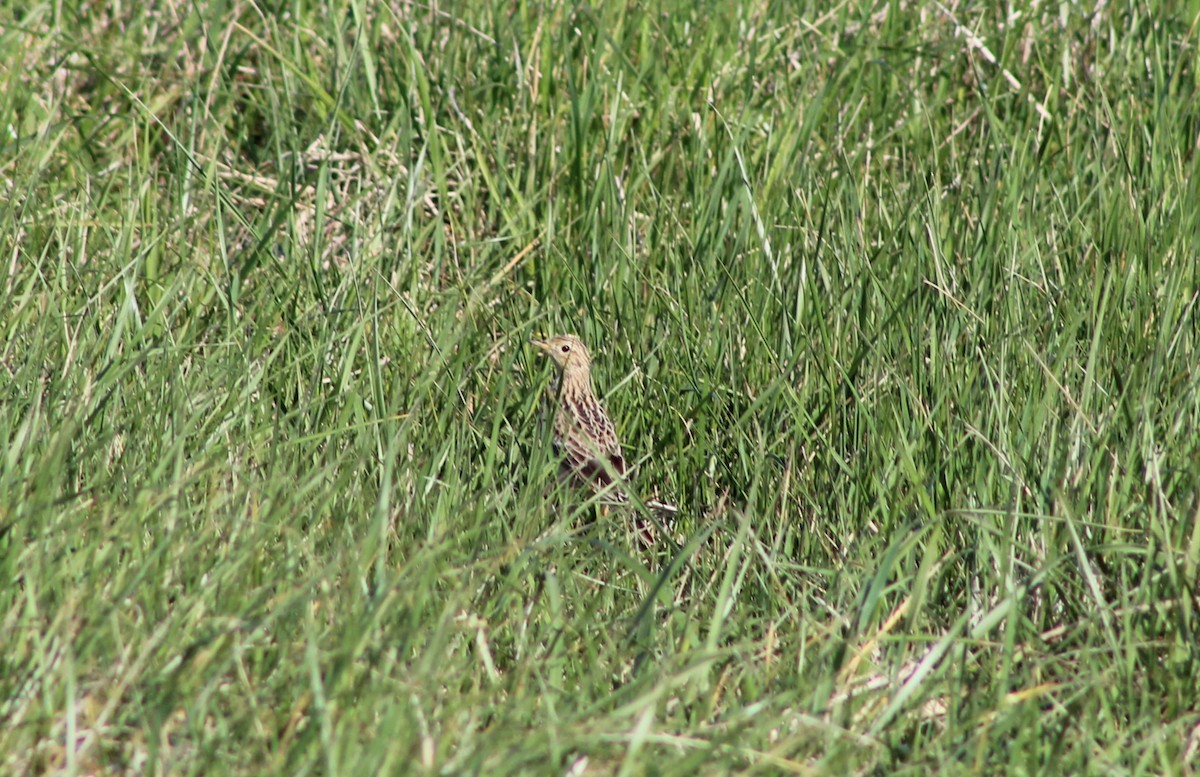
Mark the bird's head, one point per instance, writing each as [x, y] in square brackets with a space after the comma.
[567, 351]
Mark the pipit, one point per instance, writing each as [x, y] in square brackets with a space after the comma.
[583, 433]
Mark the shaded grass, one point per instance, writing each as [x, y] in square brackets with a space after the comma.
[907, 327]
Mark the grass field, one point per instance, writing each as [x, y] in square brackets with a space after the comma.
[898, 301]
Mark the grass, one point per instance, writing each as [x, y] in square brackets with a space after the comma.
[898, 301]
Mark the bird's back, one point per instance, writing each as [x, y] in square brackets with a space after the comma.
[586, 437]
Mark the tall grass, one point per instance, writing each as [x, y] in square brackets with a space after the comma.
[897, 301]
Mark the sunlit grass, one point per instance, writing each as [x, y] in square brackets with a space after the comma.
[898, 303]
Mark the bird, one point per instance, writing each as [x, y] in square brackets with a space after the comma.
[584, 435]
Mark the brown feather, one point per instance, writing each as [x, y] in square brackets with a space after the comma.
[584, 435]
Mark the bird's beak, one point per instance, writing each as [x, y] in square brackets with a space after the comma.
[541, 345]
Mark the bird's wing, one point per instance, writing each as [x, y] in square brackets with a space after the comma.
[597, 426]
[587, 438]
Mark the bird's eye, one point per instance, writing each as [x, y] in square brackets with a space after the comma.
[566, 349]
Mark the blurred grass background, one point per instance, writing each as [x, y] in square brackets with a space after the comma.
[896, 300]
